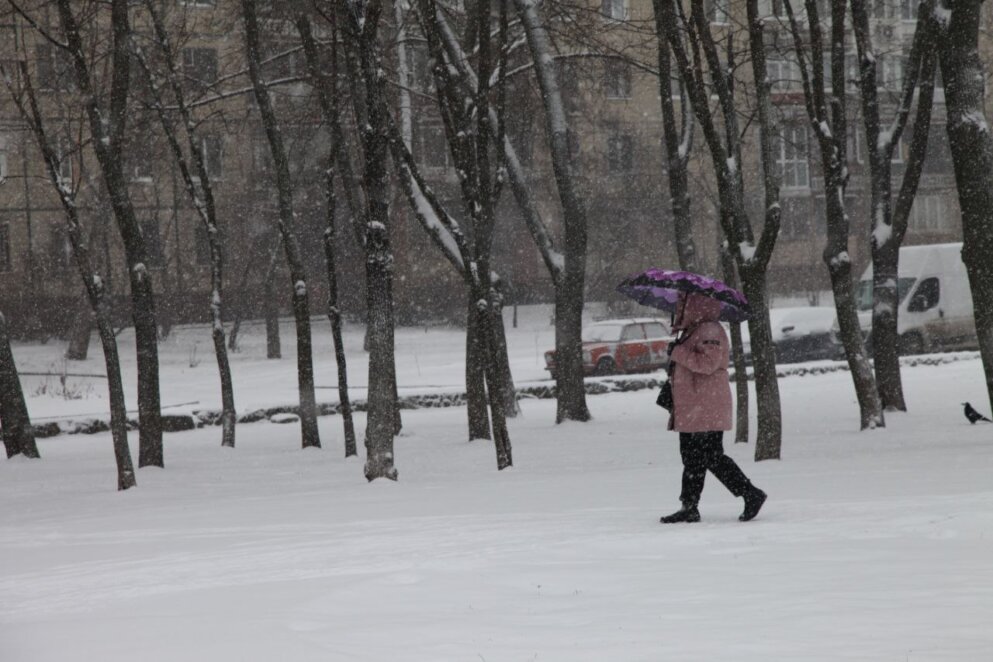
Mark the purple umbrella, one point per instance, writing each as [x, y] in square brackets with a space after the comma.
[660, 288]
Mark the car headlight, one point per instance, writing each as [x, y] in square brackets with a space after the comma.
[587, 356]
[549, 358]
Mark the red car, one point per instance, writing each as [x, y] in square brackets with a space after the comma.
[620, 346]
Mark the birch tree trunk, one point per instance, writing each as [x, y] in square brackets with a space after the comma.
[972, 153]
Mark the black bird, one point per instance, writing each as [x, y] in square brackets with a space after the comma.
[974, 415]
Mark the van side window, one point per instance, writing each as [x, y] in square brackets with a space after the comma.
[926, 297]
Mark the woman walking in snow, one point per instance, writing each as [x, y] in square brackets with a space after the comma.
[702, 408]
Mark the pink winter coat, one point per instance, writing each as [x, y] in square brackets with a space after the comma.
[700, 387]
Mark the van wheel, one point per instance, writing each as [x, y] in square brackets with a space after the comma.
[605, 366]
[911, 344]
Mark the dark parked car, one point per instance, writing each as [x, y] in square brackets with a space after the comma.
[802, 334]
[622, 346]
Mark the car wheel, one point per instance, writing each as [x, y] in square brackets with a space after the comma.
[605, 366]
[911, 343]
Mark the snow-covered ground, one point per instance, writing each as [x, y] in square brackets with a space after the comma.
[873, 546]
[428, 359]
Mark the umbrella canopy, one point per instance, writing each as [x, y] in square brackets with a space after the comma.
[660, 288]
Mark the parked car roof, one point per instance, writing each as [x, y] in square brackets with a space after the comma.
[800, 320]
[632, 320]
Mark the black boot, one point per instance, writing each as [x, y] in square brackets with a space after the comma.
[754, 498]
[688, 513]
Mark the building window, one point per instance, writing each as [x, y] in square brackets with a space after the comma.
[59, 249]
[617, 80]
[928, 213]
[568, 85]
[938, 160]
[791, 157]
[140, 158]
[614, 9]
[3, 166]
[884, 8]
[620, 153]
[54, 68]
[434, 147]
[153, 241]
[262, 157]
[908, 9]
[899, 151]
[200, 67]
[575, 149]
[212, 153]
[282, 60]
[718, 11]
[63, 153]
[202, 245]
[891, 77]
[419, 75]
[783, 74]
[777, 8]
[5, 247]
[854, 143]
[197, 3]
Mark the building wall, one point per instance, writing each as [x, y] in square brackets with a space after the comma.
[607, 69]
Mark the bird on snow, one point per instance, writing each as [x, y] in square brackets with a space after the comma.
[974, 415]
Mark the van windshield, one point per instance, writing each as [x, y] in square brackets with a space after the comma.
[864, 298]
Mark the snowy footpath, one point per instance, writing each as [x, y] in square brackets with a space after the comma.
[873, 546]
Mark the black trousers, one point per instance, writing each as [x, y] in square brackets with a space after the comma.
[702, 452]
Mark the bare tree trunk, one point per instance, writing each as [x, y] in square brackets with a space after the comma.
[475, 374]
[271, 310]
[79, 335]
[107, 133]
[92, 282]
[15, 425]
[326, 86]
[831, 130]
[738, 358]
[887, 230]
[693, 47]
[362, 33]
[840, 269]
[972, 152]
[511, 407]
[569, 294]
[310, 436]
[201, 193]
[678, 143]
[334, 316]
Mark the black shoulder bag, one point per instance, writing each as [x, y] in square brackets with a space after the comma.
[665, 393]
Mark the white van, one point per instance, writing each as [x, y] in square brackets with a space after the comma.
[935, 301]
